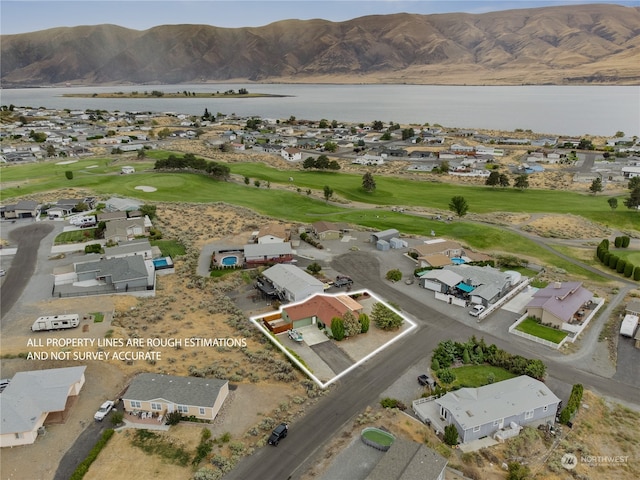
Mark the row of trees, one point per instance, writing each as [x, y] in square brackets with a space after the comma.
[614, 262]
[477, 352]
[349, 326]
[320, 163]
[496, 178]
[190, 162]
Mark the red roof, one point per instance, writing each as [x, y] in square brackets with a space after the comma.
[322, 306]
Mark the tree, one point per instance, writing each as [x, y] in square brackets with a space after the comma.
[368, 182]
[451, 435]
[377, 125]
[308, 163]
[521, 182]
[68, 174]
[518, 472]
[384, 318]
[141, 154]
[459, 205]
[613, 203]
[385, 136]
[596, 185]
[247, 180]
[330, 146]
[633, 201]
[503, 180]
[51, 151]
[256, 183]
[493, 179]
[148, 210]
[328, 193]
[164, 133]
[633, 183]
[407, 133]
[322, 162]
[314, 268]
[324, 123]
[337, 328]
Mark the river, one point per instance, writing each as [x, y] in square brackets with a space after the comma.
[559, 110]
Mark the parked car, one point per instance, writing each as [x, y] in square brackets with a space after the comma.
[295, 335]
[2, 273]
[278, 434]
[476, 310]
[342, 281]
[426, 380]
[104, 409]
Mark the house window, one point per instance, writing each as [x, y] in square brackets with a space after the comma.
[135, 404]
[202, 411]
[476, 429]
[19, 435]
[156, 406]
[528, 415]
[183, 409]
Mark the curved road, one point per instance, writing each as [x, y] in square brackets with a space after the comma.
[23, 266]
[358, 389]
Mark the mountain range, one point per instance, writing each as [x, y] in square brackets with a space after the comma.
[577, 44]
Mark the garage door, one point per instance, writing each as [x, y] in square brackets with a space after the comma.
[302, 323]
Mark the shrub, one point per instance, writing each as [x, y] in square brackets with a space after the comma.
[446, 376]
[622, 263]
[625, 241]
[613, 261]
[365, 321]
[451, 435]
[337, 328]
[636, 274]
[117, 417]
[435, 365]
[68, 174]
[173, 418]
[628, 269]
[93, 248]
[394, 275]
[617, 242]
[573, 404]
[392, 403]
[385, 318]
[83, 468]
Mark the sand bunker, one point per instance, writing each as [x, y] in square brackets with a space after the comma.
[145, 188]
[66, 162]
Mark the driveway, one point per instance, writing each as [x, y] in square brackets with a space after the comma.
[333, 356]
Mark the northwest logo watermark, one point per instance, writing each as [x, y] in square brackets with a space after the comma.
[570, 461]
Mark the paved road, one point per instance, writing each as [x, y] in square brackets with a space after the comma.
[358, 389]
[24, 262]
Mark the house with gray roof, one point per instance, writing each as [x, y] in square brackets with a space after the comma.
[161, 394]
[485, 284]
[407, 460]
[482, 412]
[22, 209]
[292, 283]
[265, 253]
[443, 281]
[124, 230]
[559, 303]
[33, 397]
[140, 247]
[122, 273]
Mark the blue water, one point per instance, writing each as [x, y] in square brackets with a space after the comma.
[457, 260]
[228, 261]
[164, 262]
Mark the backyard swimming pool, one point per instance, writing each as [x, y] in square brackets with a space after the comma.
[229, 261]
[161, 263]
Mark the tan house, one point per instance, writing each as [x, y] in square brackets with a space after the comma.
[326, 230]
[274, 233]
[32, 399]
[559, 303]
[439, 252]
[158, 395]
[124, 230]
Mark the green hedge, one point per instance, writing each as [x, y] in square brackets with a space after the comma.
[83, 468]
[573, 404]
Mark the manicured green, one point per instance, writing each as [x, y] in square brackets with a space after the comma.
[632, 256]
[477, 375]
[532, 327]
[378, 436]
[98, 317]
[169, 248]
[75, 236]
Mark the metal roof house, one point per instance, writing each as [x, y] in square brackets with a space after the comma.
[407, 460]
[292, 282]
[481, 412]
[162, 394]
[265, 253]
[558, 303]
[29, 399]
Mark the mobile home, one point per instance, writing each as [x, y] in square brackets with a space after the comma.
[55, 322]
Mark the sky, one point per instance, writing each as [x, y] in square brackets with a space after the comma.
[21, 16]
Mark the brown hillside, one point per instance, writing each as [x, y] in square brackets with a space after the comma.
[558, 45]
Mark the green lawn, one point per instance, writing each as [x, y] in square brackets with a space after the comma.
[169, 248]
[75, 236]
[478, 375]
[632, 256]
[532, 327]
[98, 317]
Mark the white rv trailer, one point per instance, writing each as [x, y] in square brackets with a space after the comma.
[56, 322]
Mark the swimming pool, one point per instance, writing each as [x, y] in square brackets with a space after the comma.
[457, 260]
[164, 262]
[229, 261]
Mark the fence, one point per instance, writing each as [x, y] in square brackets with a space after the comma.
[533, 338]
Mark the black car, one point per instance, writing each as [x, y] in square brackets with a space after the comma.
[342, 281]
[426, 380]
[278, 434]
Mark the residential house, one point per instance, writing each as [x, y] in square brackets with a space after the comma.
[441, 281]
[631, 172]
[559, 303]
[121, 273]
[274, 233]
[291, 154]
[326, 230]
[484, 285]
[34, 398]
[484, 411]
[122, 204]
[437, 252]
[266, 253]
[320, 308]
[633, 308]
[293, 283]
[124, 230]
[161, 394]
[108, 216]
[407, 460]
[140, 247]
[22, 209]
